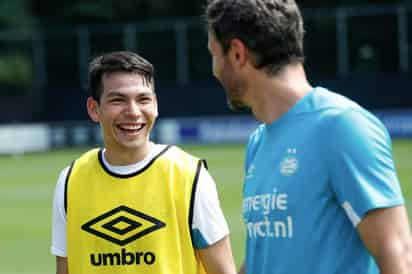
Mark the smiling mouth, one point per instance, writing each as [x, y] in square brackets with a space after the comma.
[131, 128]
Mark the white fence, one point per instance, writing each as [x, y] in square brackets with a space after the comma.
[19, 139]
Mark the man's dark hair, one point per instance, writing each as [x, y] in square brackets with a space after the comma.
[271, 29]
[114, 62]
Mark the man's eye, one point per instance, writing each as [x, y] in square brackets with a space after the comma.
[115, 100]
[145, 99]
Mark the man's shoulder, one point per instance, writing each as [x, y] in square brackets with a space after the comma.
[177, 156]
[332, 109]
[332, 103]
[89, 153]
[174, 151]
[86, 159]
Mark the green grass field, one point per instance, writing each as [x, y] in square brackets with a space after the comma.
[27, 185]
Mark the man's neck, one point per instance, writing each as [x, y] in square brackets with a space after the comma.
[272, 96]
[127, 156]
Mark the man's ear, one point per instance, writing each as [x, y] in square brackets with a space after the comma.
[93, 109]
[238, 53]
[156, 105]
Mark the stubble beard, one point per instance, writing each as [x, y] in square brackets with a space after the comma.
[233, 89]
[237, 106]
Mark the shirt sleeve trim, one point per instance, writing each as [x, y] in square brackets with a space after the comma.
[57, 252]
[356, 219]
[218, 237]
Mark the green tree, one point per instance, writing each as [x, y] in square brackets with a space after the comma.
[15, 14]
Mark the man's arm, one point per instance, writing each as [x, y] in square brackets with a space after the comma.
[218, 258]
[386, 234]
[61, 265]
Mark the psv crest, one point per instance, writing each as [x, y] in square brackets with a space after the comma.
[289, 164]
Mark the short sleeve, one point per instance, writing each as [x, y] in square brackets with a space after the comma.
[362, 169]
[58, 245]
[209, 224]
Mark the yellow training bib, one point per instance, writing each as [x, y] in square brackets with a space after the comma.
[139, 223]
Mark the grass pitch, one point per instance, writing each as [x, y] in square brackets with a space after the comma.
[27, 184]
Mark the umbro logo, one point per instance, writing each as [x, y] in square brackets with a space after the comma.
[122, 225]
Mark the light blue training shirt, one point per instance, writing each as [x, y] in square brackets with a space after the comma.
[311, 176]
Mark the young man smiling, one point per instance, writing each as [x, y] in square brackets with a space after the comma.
[135, 206]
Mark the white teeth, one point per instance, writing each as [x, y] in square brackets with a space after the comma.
[131, 127]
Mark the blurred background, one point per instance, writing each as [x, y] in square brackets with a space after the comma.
[359, 48]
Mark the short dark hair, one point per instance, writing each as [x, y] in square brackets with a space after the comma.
[114, 62]
[271, 29]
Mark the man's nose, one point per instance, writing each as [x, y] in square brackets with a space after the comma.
[133, 109]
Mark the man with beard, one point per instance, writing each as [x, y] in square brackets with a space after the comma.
[321, 194]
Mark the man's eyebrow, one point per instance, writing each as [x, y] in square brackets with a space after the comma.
[145, 93]
[120, 94]
[115, 94]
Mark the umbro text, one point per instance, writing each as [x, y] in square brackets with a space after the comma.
[122, 258]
